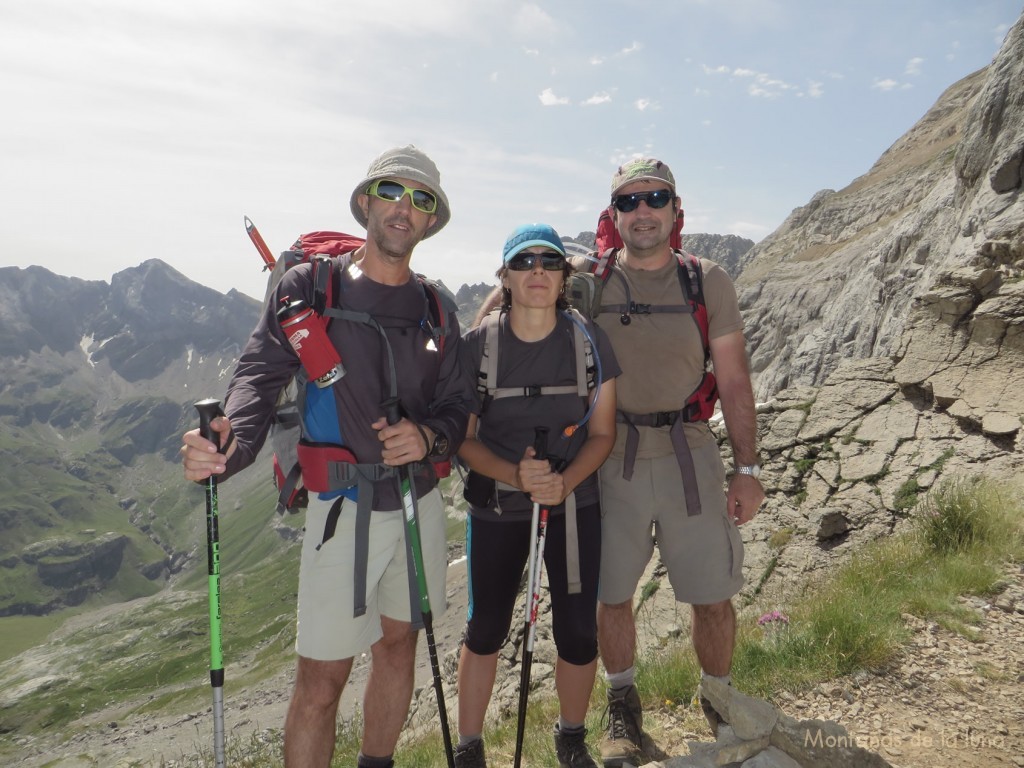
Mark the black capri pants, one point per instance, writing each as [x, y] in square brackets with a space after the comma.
[498, 552]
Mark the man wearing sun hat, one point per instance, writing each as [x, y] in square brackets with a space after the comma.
[355, 587]
[665, 482]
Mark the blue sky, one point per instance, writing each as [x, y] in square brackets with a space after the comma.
[135, 130]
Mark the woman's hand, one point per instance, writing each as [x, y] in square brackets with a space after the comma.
[536, 478]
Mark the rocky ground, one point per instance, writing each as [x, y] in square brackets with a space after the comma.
[946, 701]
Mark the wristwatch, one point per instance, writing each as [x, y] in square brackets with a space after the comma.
[440, 446]
[754, 470]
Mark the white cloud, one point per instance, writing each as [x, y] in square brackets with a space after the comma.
[549, 99]
[815, 89]
[598, 98]
[768, 87]
[634, 48]
[763, 85]
[530, 20]
[644, 104]
[888, 84]
[914, 66]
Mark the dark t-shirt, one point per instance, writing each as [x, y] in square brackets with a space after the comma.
[431, 388]
[508, 425]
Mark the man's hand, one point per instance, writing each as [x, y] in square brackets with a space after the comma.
[200, 457]
[743, 498]
[403, 442]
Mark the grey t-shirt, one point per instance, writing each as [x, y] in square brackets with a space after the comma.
[507, 425]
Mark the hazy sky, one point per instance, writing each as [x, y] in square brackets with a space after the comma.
[136, 129]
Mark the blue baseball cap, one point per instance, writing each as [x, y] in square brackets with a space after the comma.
[529, 235]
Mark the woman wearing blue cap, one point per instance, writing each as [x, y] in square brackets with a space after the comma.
[552, 386]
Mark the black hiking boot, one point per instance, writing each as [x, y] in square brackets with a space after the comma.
[571, 749]
[470, 755]
[625, 720]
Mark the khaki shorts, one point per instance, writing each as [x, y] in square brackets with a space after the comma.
[703, 554]
[327, 630]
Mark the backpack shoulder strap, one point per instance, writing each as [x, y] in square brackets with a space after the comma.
[440, 305]
[584, 353]
[691, 279]
[604, 264]
[487, 377]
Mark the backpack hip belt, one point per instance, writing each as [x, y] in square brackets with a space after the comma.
[675, 420]
[327, 468]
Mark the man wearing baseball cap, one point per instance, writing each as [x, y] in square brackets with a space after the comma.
[664, 482]
[356, 587]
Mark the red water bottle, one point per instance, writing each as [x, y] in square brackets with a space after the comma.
[308, 337]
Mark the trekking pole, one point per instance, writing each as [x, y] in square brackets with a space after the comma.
[412, 531]
[208, 410]
[538, 527]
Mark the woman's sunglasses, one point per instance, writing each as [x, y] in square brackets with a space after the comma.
[527, 261]
[659, 198]
[392, 191]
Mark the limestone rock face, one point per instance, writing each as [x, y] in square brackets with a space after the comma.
[920, 259]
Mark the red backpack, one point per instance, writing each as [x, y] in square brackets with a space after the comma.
[322, 249]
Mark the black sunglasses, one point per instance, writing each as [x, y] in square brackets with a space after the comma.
[522, 262]
[659, 198]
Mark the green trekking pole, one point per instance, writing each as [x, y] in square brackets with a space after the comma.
[412, 531]
[209, 409]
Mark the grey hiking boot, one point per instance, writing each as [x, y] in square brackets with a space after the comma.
[470, 755]
[571, 749]
[623, 741]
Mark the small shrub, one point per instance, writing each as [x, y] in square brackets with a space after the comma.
[780, 538]
[957, 517]
[906, 494]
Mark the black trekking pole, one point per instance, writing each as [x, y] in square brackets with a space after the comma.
[412, 531]
[208, 410]
[535, 566]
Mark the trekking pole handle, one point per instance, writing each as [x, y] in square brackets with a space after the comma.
[209, 409]
[391, 411]
[540, 442]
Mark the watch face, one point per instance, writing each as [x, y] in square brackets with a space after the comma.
[440, 445]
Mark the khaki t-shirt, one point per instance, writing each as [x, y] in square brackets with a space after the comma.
[661, 354]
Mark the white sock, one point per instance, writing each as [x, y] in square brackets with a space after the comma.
[619, 681]
[726, 679]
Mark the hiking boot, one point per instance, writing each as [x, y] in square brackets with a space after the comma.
[470, 755]
[625, 718]
[711, 715]
[571, 749]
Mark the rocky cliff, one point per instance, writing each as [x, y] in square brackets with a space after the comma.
[931, 234]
